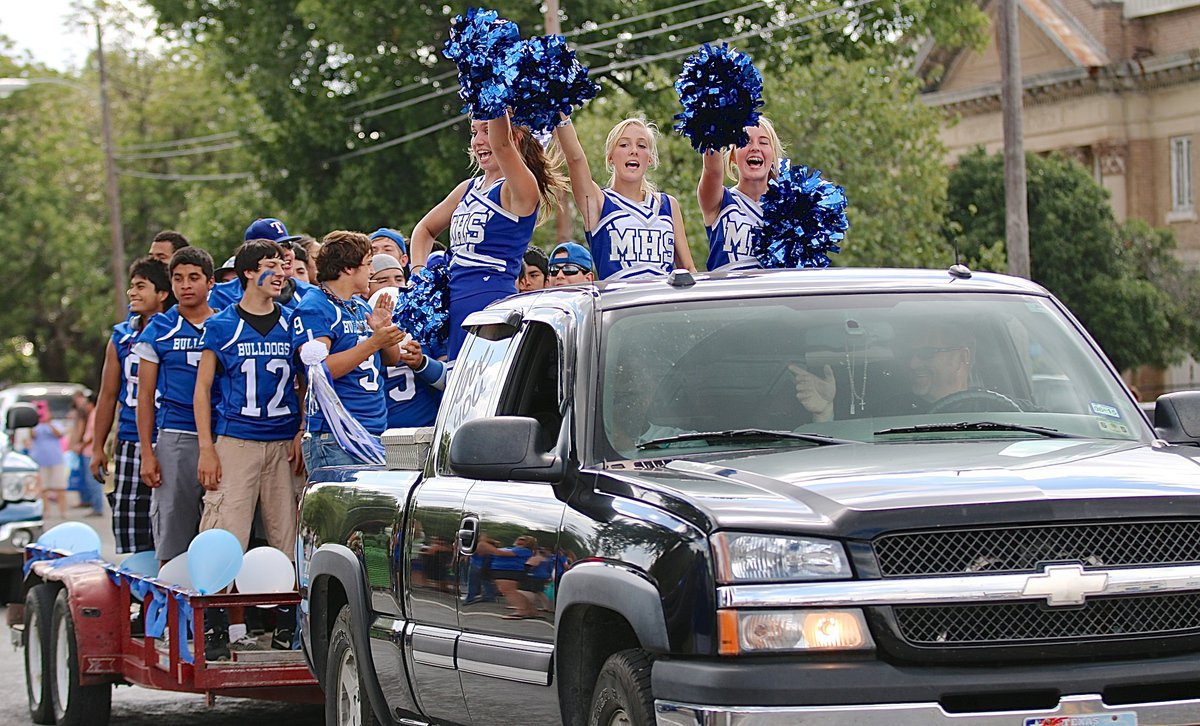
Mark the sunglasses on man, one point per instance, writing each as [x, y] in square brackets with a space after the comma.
[569, 268]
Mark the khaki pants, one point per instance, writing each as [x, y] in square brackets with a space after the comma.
[255, 472]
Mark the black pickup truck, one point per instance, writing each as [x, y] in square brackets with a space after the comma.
[861, 497]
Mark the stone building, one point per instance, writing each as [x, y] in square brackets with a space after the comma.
[1115, 85]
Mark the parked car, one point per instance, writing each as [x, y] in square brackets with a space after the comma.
[59, 396]
[20, 505]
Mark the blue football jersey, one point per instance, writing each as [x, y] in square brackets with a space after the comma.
[174, 344]
[123, 337]
[730, 237]
[255, 378]
[412, 400]
[345, 325]
[633, 240]
[488, 242]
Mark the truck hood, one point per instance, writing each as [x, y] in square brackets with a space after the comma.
[814, 487]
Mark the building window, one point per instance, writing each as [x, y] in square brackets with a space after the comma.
[1181, 174]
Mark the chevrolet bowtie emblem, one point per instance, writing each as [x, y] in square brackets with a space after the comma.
[1065, 584]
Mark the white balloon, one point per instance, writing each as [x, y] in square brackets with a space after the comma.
[266, 570]
[175, 572]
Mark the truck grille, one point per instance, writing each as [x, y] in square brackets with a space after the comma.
[1015, 623]
[1024, 549]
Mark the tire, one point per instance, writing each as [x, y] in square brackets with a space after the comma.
[622, 695]
[39, 604]
[346, 704]
[74, 704]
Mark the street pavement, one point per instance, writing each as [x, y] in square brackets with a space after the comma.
[136, 706]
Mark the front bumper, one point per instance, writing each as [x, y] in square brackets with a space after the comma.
[1173, 713]
[16, 533]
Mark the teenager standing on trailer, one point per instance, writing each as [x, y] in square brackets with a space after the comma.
[491, 219]
[149, 292]
[168, 353]
[634, 231]
[361, 340]
[731, 214]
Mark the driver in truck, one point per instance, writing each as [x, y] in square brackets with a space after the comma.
[938, 363]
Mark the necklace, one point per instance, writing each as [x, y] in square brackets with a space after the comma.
[333, 298]
[858, 394]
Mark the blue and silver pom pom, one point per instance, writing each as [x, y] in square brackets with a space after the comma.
[721, 92]
[547, 81]
[804, 220]
[478, 44]
[423, 310]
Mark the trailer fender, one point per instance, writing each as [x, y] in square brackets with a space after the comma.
[95, 603]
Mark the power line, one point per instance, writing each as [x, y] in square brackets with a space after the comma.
[188, 177]
[181, 142]
[670, 28]
[619, 65]
[182, 152]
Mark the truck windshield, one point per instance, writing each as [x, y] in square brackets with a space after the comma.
[873, 368]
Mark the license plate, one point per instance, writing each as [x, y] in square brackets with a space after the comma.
[1107, 719]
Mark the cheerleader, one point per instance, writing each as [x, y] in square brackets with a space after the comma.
[732, 213]
[634, 231]
[490, 217]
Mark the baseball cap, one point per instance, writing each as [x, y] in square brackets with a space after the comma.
[269, 228]
[572, 252]
[380, 263]
[229, 264]
[393, 235]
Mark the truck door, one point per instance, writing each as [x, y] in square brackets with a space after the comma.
[433, 567]
[506, 603]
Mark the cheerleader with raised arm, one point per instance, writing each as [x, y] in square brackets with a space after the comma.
[491, 218]
[731, 214]
[634, 231]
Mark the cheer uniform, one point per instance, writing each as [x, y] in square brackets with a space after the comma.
[173, 343]
[344, 323]
[257, 417]
[488, 243]
[731, 237]
[130, 497]
[633, 240]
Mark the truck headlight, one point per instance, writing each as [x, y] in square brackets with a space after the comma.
[16, 486]
[743, 557]
[746, 632]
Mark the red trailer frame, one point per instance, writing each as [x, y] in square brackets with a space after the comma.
[108, 652]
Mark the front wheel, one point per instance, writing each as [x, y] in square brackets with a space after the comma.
[39, 604]
[622, 696]
[74, 703]
[346, 703]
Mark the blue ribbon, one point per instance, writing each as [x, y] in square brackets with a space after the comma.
[39, 554]
[155, 614]
[186, 616]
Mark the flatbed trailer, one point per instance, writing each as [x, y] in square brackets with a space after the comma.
[80, 641]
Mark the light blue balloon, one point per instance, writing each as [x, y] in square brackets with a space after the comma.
[214, 559]
[142, 563]
[71, 537]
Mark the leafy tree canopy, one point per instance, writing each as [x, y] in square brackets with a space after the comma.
[1118, 280]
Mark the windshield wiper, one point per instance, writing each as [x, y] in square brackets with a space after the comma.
[979, 426]
[746, 434]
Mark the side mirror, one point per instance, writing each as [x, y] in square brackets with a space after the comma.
[504, 448]
[21, 416]
[1177, 417]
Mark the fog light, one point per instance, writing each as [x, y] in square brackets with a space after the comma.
[774, 631]
[21, 537]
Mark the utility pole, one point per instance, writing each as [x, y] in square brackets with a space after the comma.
[564, 224]
[117, 240]
[1016, 215]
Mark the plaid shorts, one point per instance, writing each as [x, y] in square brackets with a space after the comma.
[130, 500]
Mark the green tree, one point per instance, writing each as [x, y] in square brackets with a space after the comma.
[1113, 279]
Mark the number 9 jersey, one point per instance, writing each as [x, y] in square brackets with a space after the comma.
[255, 376]
[345, 325]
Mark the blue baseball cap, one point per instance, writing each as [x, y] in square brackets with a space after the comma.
[393, 235]
[269, 228]
[572, 252]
